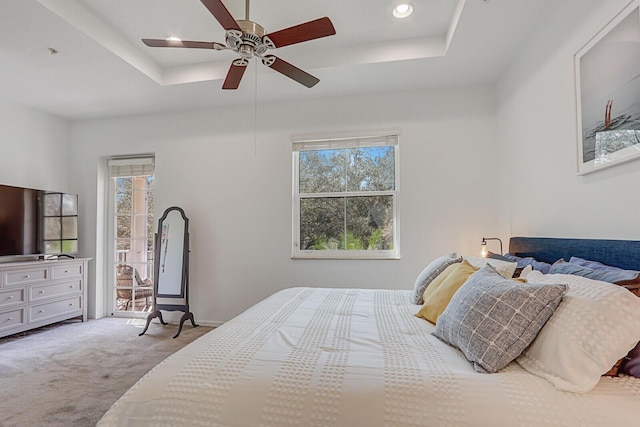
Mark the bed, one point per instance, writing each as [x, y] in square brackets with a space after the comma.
[359, 357]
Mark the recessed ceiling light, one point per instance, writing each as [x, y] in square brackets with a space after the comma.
[402, 10]
[173, 39]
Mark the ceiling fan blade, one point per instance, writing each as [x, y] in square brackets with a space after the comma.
[290, 71]
[183, 43]
[222, 15]
[235, 73]
[311, 30]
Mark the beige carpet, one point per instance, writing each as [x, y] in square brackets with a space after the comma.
[69, 374]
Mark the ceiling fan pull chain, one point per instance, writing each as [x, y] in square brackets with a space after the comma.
[255, 112]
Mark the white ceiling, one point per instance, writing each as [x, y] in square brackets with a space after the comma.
[102, 69]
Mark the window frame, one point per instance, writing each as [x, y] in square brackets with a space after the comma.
[61, 239]
[127, 167]
[306, 144]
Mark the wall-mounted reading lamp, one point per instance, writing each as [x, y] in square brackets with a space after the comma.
[483, 246]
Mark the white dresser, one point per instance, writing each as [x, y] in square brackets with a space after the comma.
[37, 293]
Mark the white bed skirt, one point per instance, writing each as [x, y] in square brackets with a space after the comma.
[350, 357]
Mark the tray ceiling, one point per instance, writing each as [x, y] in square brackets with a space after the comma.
[102, 68]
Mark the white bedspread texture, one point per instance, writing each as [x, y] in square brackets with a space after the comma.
[350, 357]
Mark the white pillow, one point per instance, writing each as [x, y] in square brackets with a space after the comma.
[595, 325]
[505, 268]
[525, 272]
[430, 272]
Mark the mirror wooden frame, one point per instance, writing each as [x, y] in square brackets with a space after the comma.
[175, 259]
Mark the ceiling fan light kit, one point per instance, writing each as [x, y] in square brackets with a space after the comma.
[249, 39]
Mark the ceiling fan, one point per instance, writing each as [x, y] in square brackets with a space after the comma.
[248, 39]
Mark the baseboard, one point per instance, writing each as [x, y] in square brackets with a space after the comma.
[175, 320]
[213, 324]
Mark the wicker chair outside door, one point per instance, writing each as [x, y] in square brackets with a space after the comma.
[125, 289]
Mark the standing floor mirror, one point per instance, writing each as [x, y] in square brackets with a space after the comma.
[171, 268]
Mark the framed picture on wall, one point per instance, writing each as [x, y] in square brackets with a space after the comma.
[608, 93]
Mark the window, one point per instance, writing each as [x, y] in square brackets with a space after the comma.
[345, 198]
[60, 223]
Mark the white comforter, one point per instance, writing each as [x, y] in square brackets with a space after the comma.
[351, 357]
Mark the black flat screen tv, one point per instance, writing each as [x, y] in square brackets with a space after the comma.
[37, 222]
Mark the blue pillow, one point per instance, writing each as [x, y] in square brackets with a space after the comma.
[611, 276]
[542, 267]
[594, 265]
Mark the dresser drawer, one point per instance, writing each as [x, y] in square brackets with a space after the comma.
[62, 272]
[20, 277]
[40, 292]
[53, 309]
[12, 319]
[9, 297]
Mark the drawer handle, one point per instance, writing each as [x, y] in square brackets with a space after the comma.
[41, 311]
[42, 292]
[26, 276]
[70, 286]
[10, 318]
[66, 271]
[10, 296]
[70, 304]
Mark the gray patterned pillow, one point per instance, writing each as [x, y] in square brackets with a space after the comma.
[430, 272]
[492, 320]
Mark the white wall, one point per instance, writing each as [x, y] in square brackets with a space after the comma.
[34, 148]
[536, 118]
[235, 187]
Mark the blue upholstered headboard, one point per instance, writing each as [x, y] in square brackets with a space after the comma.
[618, 253]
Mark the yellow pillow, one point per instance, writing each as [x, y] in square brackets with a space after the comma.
[440, 291]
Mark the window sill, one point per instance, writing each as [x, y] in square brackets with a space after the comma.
[346, 255]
